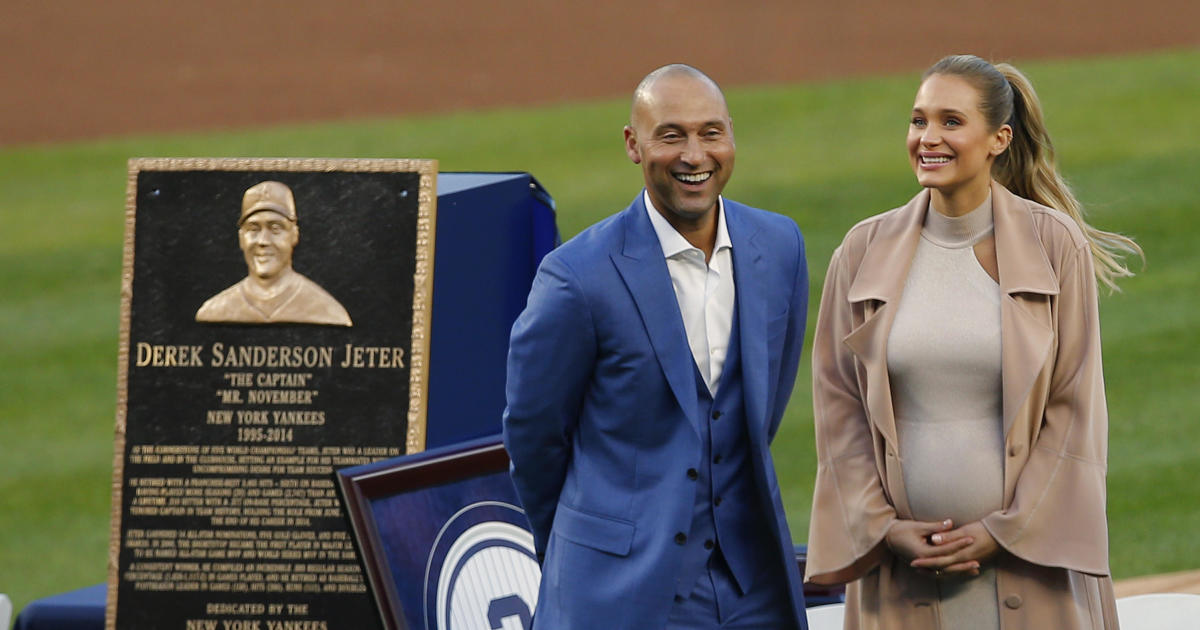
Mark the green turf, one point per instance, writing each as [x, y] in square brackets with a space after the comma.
[828, 155]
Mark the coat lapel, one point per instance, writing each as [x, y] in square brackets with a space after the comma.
[752, 316]
[880, 282]
[644, 271]
[1026, 281]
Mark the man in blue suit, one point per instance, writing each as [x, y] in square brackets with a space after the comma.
[646, 379]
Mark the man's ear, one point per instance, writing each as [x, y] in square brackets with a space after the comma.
[631, 145]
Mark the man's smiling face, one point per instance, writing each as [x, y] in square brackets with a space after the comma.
[681, 135]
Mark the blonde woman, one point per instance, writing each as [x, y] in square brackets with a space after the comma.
[958, 395]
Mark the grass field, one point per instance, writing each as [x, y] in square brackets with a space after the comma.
[828, 155]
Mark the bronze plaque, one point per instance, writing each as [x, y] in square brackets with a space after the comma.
[274, 328]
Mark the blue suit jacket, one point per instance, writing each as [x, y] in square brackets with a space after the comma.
[602, 420]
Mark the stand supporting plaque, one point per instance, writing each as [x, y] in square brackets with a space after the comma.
[274, 327]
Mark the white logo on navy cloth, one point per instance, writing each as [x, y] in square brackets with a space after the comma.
[482, 572]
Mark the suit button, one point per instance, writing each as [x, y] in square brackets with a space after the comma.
[717, 459]
[716, 415]
[692, 474]
[1013, 601]
[708, 544]
[678, 598]
[680, 538]
[717, 501]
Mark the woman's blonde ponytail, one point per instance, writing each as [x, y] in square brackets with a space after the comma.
[1028, 168]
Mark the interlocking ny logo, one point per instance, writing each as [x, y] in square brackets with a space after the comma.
[488, 577]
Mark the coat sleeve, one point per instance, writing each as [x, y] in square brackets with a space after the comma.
[550, 360]
[850, 513]
[793, 341]
[1057, 515]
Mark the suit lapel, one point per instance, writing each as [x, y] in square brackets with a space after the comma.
[879, 283]
[752, 316]
[644, 271]
[1026, 279]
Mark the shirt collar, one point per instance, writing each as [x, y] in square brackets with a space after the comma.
[672, 242]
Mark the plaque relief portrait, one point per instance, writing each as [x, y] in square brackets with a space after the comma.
[272, 291]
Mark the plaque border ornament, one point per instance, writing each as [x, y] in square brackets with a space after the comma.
[418, 360]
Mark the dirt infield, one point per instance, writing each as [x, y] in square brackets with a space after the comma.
[79, 69]
[1181, 582]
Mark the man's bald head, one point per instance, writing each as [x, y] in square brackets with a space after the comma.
[645, 94]
[681, 135]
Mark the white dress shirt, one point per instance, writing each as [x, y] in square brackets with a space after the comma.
[704, 291]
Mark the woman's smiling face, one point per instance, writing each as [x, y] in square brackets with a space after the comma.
[950, 143]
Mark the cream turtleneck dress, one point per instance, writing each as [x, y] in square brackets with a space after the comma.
[943, 362]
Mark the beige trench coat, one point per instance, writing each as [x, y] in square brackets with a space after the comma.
[1053, 569]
